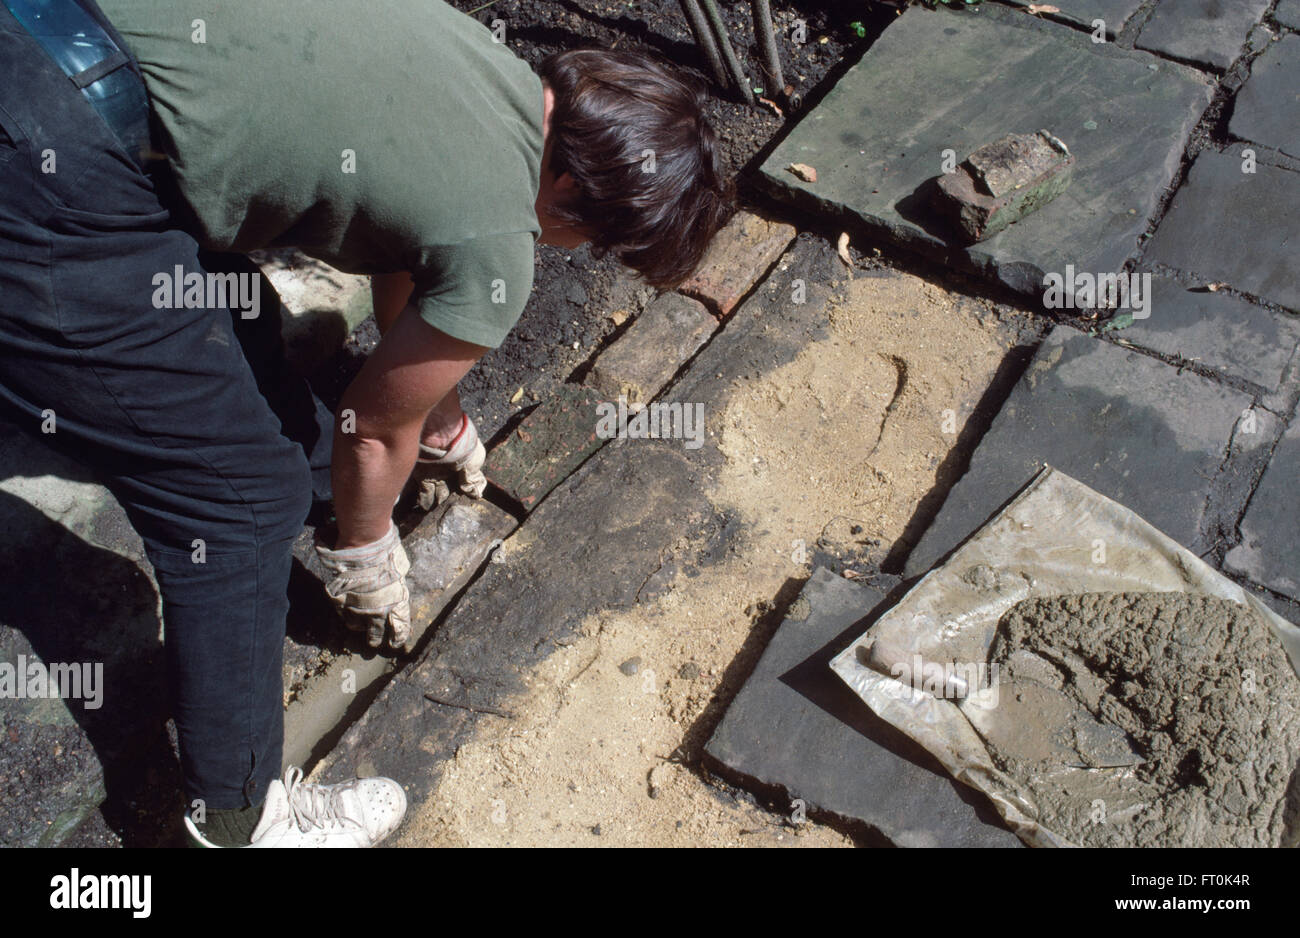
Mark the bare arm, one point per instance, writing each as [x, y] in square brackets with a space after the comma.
[389, 295]
[415, 368]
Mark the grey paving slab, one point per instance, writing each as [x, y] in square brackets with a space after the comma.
[1219, 331]
[1206, 32]
[929, 84]
[1288, 13]
[1124, 423]
[1237, 227]
[795, 729]
[1086, 12]
[1267, 109]
[1269, 552]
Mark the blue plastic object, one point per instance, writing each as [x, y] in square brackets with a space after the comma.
[76, 42]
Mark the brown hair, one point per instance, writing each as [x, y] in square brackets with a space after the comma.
[657, 212]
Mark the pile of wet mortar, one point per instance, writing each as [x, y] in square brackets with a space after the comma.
[1148, 719]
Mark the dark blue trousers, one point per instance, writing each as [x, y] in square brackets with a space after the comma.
[162, 403]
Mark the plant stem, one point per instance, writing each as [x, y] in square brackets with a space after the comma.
[728, 54]
[767, 42]
[704, 39]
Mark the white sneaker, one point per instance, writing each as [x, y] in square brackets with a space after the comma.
[358, 813]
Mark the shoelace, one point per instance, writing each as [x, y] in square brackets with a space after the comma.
[312, 805]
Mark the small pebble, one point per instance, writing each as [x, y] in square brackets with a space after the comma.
[630, 666]
[689, 671]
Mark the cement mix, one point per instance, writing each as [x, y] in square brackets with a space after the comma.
[1148, 719]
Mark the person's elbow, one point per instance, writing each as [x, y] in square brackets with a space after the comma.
[373, 431]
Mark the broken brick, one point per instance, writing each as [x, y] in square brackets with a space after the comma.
[740, 254]
[1004, 181]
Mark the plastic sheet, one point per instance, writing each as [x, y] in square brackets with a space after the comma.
[1057, 537]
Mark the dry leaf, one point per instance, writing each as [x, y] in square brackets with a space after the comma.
[514, 398]
[842, 248]
[803, 171]
[1042, 8]
[773, 105]
[851, 574]
[1216, 286]
[618, 317]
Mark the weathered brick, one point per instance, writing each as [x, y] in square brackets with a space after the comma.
[644, 358]
[1003, 181]
[549, 444]
[740, 254]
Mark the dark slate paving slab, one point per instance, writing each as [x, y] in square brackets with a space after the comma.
[1267, 109]
[1237, 227]
[877, 139]
[1206, 32]
[797, 729]
[1127, 425]
[1085, 12]
[1269, 552]
[1288, 13]
[1222, 332]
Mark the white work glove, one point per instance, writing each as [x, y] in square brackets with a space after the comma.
[367, 585]
[461, 463]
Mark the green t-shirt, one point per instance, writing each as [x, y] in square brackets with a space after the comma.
[376, 135]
